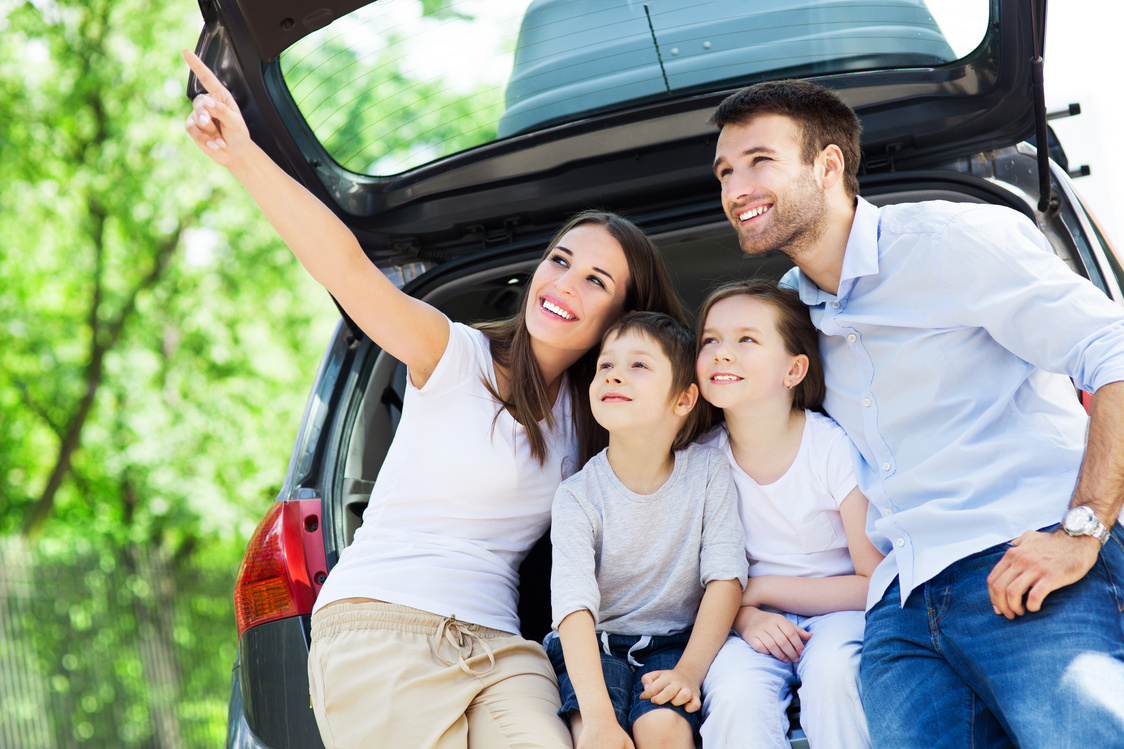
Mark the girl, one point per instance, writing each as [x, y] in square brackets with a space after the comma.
[414, 638]
[801, 621]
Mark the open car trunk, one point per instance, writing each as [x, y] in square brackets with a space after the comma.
[700, 255]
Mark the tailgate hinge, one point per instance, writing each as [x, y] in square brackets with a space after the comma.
[492, 237]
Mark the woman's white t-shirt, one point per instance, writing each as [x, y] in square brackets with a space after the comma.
[793, 526]
[457, 504]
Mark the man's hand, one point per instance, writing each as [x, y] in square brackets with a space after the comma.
[662, 687]
[771, 634]
[1039, 564]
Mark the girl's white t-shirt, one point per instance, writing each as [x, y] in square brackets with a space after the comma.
[793, 526]
[457, 504]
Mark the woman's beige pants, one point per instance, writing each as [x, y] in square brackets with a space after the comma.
[384, 675]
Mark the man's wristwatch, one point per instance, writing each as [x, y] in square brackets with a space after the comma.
[1082, 521]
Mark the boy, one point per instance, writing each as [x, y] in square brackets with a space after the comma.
[647, 542]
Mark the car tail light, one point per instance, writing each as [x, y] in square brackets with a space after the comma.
[283, 567]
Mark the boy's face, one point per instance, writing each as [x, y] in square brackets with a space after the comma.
[632, 385]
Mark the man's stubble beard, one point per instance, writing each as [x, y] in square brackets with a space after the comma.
[797, 227]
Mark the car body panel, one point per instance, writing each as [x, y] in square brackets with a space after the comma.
[273, 676]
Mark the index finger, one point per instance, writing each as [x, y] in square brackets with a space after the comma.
[208, 79]
[998, 580]
[656, 684]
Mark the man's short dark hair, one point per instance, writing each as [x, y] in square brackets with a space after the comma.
[823, 118]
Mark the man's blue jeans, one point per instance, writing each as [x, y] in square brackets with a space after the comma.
[947, 671]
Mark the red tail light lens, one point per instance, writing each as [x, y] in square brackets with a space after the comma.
[283, 567]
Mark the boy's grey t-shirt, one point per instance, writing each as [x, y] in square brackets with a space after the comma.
[640, 563]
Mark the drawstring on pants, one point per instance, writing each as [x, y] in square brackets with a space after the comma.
[640, 644]
[460, 635]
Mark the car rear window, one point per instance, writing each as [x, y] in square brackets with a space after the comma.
[400, 83]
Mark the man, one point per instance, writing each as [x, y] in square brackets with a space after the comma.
[949, 333]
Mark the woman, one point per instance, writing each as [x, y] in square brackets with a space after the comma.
[413, 634]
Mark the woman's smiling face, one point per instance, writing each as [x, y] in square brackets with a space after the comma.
[578, 290]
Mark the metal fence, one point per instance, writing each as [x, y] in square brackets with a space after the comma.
[111, 646]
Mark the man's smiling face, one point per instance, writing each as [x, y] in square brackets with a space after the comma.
[769, 193]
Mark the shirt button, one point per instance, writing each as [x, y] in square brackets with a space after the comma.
[835, 305]
[885, 466]
[852, 338]
[889, 511]
[866, 402]
[900, 542]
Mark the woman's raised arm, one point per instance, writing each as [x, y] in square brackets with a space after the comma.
[408, 329]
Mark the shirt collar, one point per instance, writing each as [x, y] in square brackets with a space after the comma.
[860, 258]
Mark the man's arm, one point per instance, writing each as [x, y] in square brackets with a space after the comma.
[1040, 563]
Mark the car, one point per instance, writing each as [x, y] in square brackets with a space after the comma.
[453, 168]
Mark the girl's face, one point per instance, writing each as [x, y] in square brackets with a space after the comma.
[578, 290]
[742, 358]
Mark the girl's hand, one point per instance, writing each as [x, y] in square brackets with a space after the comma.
[662, 687]
[215, 123]
[771, 634]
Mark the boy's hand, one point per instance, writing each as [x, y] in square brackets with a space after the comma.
[608, 734]
[662, 687]
[771, 634]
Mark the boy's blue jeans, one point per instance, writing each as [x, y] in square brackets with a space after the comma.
[947, 671]
[624, 660]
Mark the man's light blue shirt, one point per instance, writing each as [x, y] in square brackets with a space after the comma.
[948, 354]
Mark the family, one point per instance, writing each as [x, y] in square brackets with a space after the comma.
[871, 484]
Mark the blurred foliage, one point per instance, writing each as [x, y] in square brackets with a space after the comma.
[119, 240]
[376, 118]
[158, 343]
[115, 646]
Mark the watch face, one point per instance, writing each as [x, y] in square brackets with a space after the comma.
[1079, 521]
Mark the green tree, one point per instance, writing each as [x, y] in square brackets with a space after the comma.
[142, 294]
[157, 345]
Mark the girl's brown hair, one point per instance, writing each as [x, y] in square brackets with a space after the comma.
[796, 331]
[649, 289]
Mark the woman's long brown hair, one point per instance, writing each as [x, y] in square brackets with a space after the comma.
[649, 289]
